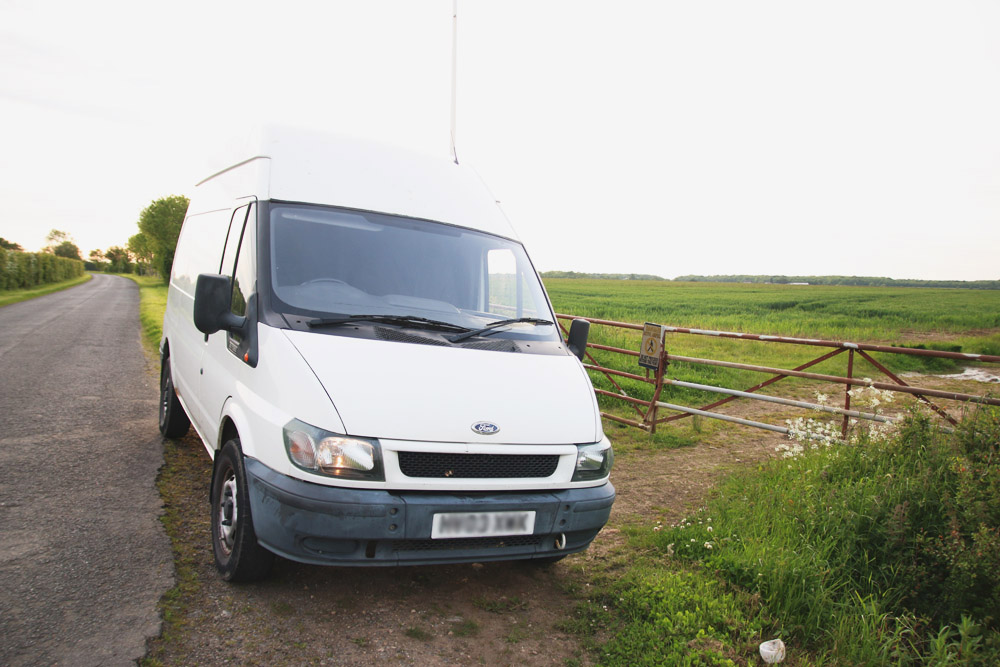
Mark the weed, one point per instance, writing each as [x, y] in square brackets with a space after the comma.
[516, 635]
[466, 628]
[418, 633]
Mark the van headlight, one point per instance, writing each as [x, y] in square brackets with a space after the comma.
[593, 461]
[331, 454]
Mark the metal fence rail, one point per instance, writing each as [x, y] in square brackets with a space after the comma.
[647, 409]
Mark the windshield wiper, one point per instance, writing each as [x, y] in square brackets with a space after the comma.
[401, 320]
[492, 326]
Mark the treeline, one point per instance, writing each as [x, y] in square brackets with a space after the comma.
[151, 250]
[600, 276]
[21, 270]
[861, 281]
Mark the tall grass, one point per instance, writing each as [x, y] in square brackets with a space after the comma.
[885, 552]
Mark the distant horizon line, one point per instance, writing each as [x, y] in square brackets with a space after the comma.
[784, 279]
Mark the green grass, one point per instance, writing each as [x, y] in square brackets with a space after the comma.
[843, 313]
[8, 297]
[152, 304]
[466, 628]
[886, 552]
[949, 319]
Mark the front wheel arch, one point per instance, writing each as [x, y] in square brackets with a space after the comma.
[238, 555]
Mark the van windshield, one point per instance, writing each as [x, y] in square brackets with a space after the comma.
[330, 263]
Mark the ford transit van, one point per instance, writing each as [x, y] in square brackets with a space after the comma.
[365, 350]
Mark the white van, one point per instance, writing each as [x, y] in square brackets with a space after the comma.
[369, 357]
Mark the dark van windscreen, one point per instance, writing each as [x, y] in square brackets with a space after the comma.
[328, 262]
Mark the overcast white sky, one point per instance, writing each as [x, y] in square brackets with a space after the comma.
[649, 137]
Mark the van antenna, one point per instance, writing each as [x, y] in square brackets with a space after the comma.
[454, 73]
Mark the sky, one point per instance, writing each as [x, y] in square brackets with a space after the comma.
[666, 138]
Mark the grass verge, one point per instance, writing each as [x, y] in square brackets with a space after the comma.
[885, 552]
[152, 303]
[182, 471]
[8, 297]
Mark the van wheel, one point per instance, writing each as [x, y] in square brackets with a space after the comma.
[238, 557]
[174, 422]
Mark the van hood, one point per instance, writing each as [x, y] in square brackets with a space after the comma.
[405, 391]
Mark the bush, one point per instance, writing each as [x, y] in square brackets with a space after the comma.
[884, 551]
[21, 270]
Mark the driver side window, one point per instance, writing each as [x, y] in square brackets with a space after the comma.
[241, 267]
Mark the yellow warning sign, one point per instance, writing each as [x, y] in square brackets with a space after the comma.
[651, 346]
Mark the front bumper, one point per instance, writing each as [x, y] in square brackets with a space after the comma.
[325, 525]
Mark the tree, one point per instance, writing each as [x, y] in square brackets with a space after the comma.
[61, 245]
[119, 259]
[8, 245]
[160, 223]
[67, 249]
[140, 249]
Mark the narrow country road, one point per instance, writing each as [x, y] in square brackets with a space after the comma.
[83, 556]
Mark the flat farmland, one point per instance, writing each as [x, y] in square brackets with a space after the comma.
[962, 320]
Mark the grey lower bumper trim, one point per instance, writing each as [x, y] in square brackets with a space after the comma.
[313, 523]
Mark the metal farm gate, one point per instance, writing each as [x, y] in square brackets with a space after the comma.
[656, 358]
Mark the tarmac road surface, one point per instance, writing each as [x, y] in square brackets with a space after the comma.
[83, 556]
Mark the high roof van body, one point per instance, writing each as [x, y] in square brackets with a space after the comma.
[369, 357]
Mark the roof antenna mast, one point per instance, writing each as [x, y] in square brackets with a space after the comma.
[454, 73]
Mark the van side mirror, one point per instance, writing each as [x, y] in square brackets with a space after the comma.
[579, 330]
[212, 293]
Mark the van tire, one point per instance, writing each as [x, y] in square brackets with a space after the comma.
[238, 556]
[174, 422]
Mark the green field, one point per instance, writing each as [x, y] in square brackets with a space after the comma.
[945, 319]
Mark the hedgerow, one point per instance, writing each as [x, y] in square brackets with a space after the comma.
[21, 270]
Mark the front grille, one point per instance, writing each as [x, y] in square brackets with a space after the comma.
[477, 466]
[468, 543]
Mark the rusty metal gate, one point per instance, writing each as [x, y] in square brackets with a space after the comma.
[648, 410]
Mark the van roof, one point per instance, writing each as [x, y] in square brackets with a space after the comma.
[299, 165]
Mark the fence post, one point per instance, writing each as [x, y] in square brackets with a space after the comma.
[661, 370]
[847, 392]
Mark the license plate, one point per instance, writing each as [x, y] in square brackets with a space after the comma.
[482, 524]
